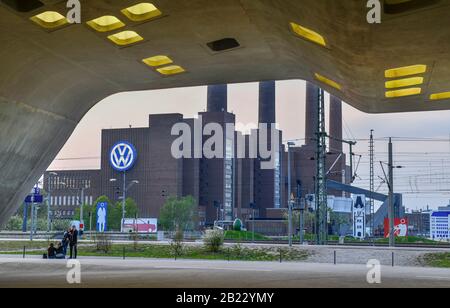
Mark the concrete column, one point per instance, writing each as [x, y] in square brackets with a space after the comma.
[311, 113]
[335, 124]
[218, 98]
[267, 109]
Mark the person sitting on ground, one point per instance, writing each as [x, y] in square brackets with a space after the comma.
[60, 252]
[51, 251]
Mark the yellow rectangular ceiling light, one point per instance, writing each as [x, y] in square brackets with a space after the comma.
[308, 34]
[157, 61]
[142, 12]
[402, 83]
[125, 38]
[106, 23]
[403, 92]
[439, 96]
[171, 70]
[327, 81]
[405, 71]
[50, 20]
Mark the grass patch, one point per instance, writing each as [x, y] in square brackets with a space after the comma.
[197, 252]
[244, 236]
[18, 246]
[235, 253]
[436, 260]
[411, 240]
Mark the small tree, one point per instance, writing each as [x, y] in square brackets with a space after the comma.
[177, 245]
[308, 219]
[14, 223]
[178, 214]
[214, 240]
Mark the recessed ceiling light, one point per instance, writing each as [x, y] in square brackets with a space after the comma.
[403, 92]
[50, 20]
[142, 12]
[171, 70]
[106, 23]
[328, 81]
[401, 83]
[157, 61]
[439, 96]
[405, 71]
[23, 6]
[308, 34]
[402, 6]
[125, 38]
[223, 44]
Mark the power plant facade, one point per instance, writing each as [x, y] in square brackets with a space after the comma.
[225, 187]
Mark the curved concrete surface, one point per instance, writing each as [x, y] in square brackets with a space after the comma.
[49, 80]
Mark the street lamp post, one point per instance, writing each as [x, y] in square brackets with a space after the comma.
[389, 178]
[253, 206]
[82, 205]
[301, 219]
[49, 199]
[289, 144]
[125, 189]
[391, 197]
[124, 197]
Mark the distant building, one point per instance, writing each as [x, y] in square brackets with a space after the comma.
[224, 188]
[439, 226]
[69, 188]
[419, 223]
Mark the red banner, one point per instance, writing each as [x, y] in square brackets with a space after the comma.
[400, 227]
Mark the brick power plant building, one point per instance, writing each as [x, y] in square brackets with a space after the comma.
[235, 185]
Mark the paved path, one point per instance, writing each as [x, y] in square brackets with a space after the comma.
[109, 272]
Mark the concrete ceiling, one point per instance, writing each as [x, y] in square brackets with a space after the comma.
[49, 80]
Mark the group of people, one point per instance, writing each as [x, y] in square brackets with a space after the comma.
[70, 239]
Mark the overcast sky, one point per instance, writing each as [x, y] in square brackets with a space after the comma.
[424, 180]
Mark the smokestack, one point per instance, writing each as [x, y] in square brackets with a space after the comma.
[217, 98]
[311, 113]
[335, 124]
[267, 113]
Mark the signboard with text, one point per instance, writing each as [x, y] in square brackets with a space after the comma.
[359, 216]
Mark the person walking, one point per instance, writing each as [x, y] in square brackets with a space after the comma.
[73, 242]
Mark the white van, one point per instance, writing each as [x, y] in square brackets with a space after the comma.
[77, 224]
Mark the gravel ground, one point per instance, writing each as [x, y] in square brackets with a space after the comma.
[402, 257]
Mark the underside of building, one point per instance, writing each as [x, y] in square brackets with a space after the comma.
[53, 72]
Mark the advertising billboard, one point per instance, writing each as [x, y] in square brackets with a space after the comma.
[400, 227]
[140, 225]
[102, 214]
[359, 216]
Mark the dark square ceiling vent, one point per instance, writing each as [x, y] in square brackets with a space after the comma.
[223, 44]
[23, 6]
[402, 6]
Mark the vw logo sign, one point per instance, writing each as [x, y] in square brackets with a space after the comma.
[123, 156]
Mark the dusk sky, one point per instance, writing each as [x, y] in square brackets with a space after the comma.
[426, 161]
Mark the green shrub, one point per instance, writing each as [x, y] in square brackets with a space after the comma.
[237, 225]
[214, 240]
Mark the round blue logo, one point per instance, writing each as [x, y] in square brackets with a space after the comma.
[123, 156]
